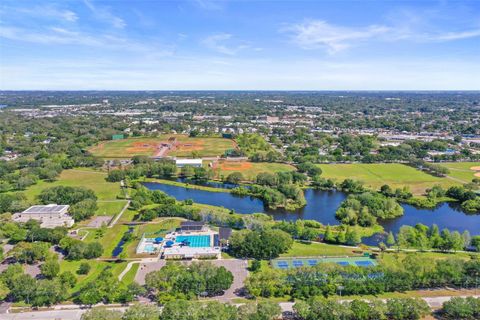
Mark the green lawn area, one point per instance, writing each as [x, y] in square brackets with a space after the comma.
[109, 240]
[305, 249]
[461, 170]
[110, 208]
[250, 170]
[130, 275]
[81, 177]
[96, 268]
[148, 146]
[394, 174]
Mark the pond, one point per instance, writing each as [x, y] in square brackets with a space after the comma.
[321, 206]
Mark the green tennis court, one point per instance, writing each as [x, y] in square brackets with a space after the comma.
[284, 263]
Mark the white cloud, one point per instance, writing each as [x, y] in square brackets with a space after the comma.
[315, 34]
[104, 14]
[208, 4]
[47, 12]
[219, 43]
[64, 36]
[320, 34]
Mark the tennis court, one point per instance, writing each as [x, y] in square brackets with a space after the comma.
[284, 263]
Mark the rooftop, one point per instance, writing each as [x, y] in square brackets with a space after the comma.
[47, 209]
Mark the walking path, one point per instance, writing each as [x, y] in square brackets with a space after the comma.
[127, 268]
[114, 221]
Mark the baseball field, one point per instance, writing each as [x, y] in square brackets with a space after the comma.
[163, 145]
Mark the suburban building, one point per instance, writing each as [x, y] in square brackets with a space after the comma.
[193, 240]
[49, 216]
[197, 163]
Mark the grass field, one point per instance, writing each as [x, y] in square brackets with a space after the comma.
[462, 170]
[95, 268]
[305, 249]
[250, 169]
[393, 174]
[84, 177]
[127, 148]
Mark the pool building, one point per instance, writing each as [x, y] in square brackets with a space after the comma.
[193, 240]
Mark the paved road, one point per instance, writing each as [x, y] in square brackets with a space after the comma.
[75, 314]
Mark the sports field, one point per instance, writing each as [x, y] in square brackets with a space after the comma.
[394, 174]
[184, 146]
[106, 192]
[249, 169]
[464, 171]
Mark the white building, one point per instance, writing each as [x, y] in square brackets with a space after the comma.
[188, 162]
[49, 216]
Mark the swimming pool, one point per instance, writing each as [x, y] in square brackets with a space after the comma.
[149, 248]
[195, 241]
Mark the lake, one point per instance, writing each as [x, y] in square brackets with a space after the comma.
[321, 206]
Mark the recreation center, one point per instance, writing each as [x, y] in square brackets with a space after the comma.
[193, 240]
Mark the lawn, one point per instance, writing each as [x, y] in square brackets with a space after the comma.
[83, 177]
[462, 170]
[305, 249]
[96, 268]
[130, 275]
[249, 169]
[109, 240]
[148, 146]
[394, 174]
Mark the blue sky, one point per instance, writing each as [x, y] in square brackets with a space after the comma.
[240, 45]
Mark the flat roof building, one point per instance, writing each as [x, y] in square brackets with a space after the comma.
[188, 162]
[191, 226]
[49, 216]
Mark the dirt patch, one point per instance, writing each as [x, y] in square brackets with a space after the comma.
[98, 221]
[477, 174]
[142, 147]
[475, 168]
[98, 147]
[235, 166]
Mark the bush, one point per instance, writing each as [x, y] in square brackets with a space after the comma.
[84, 268]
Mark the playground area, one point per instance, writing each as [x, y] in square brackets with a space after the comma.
[284, 263]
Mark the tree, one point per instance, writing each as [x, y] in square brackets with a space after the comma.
[390, 239]
[256, 265]
[407, 308]
[235, 178]
[142, 312]
[329, 236]
[265, 310]
[461, 308]
[84, 209]
[187, 171]
[101, 314]
[262, 245]
[48, 292]
[68, 279]
[50, 268]
[84, 268]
